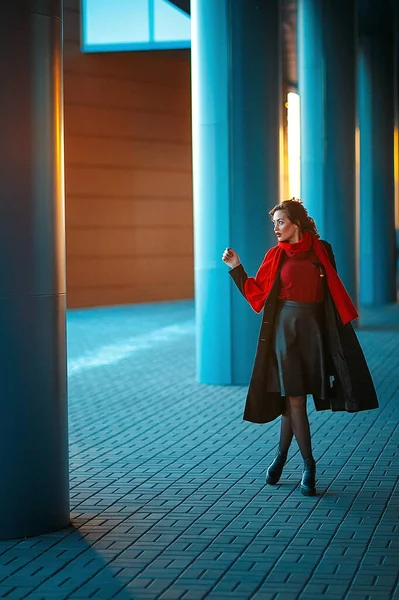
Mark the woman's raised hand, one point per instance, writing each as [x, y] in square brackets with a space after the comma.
[231, 258]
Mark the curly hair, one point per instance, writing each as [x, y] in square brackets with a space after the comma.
[297, 213]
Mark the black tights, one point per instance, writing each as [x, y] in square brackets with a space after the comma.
[296, 422]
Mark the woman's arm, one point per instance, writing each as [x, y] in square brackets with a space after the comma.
[252, 288]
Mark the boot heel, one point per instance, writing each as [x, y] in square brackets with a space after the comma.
[308, 481]
[275, 470]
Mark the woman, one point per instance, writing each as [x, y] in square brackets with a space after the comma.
[307, 345]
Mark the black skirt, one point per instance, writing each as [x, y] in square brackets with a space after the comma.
[298, 359]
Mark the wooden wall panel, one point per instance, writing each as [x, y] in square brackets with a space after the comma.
[86, 296]
[128, 212]
[94, 181]
[87, 121]
[131, 154]
[144, 67]
[129, 218]
[146, 271]
[104, 242]
[112, 92]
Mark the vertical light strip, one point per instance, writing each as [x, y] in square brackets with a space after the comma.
[396, 135]
[357, 208]
[284, 168]
[151, 20]
[294, 144]
[396, 174]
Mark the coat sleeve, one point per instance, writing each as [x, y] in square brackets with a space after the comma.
[239, 277]
[251, 288]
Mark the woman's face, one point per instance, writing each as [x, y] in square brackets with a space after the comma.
[284, 229]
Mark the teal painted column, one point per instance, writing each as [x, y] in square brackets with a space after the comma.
[34, 497]
[377, 186]
[236, 119]
[327, 86]
[311, 87]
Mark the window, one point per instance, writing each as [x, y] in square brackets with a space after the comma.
[133, 25]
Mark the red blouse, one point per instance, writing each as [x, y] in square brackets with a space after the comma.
[301, 277]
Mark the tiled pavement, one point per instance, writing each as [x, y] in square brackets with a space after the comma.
[167, 482]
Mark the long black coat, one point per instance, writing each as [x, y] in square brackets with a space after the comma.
[351, 388]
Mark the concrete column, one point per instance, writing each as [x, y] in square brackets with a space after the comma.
[327, 86]
[236, 118]
[34, 496]
[311, 84]
[376, 112]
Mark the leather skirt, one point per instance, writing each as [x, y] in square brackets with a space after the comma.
[298, 358]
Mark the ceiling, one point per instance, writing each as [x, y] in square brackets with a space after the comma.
[373, 16]
[183, 4]
[288, 17]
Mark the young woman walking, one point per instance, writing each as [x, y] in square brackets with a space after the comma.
[307, 345]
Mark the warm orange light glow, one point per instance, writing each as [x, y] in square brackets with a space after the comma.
[357, 213]
[396, 174]
[59, 164]
[294, 144]
[283, 168]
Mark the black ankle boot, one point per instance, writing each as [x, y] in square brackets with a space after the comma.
[308, 482]
[273, 473]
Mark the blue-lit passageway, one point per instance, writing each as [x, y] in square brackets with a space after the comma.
[167, 482]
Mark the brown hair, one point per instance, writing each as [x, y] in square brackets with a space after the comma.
[297, 214]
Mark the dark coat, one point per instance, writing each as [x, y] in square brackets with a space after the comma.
[352, 387]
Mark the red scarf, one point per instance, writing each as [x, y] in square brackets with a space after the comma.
[258, 288]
